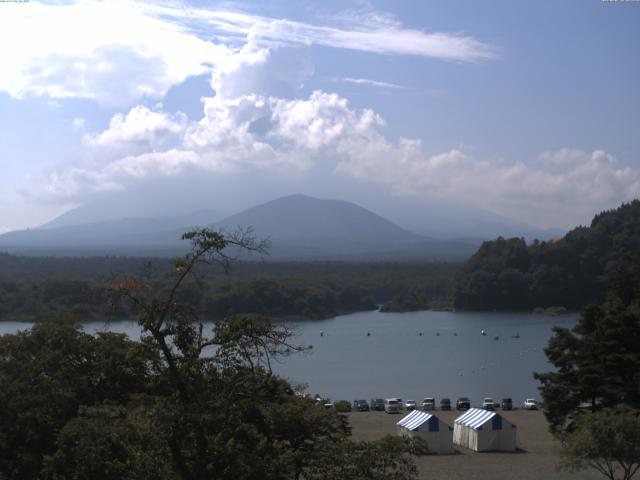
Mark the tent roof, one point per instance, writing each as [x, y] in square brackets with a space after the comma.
[475, 418]
[414, 420]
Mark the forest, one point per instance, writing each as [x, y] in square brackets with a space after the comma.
[32, 288]
[504, 274]
[91, 407]
[509, 274]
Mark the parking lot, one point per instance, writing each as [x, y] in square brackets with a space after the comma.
[536, 457]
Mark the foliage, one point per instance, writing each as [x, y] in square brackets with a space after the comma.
[36, 288]
[178, 404]
[298, 298]
[598, 361]
[47, 373]
[405, 303]
[608, 441]
[385, 459]
[110, 441]
[508, 274]
[342, 406]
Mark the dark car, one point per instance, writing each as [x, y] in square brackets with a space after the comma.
[506, 404]
[360, 406]
[377, 404]
[445, 404]
[463, 403]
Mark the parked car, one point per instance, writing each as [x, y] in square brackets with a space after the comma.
[487, 403]
[410, 405]
[463, 403]
[377, 404]
[445, 404]
[506, 404]
[429, 403]
[392, 405]
[361, 406]
[530, 404]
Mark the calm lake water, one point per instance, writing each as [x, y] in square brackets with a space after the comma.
[450, 359]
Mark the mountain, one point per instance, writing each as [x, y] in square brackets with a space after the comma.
[444, 220]
[302, 227]
[311, 221]
[508, 274]
[67, 235]
[299, 227]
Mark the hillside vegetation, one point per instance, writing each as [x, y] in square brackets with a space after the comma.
[509, 274]
[35, 288]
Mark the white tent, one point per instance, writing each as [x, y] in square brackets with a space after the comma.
[437, 434]
[483, 430]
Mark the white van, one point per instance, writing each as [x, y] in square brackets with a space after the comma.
[391, 405]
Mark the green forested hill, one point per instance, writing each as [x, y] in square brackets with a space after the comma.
[507, 274]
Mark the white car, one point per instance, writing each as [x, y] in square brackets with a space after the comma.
[410, 405]
[391, 405]
[429, 403]
[488, 403]
[530, 404]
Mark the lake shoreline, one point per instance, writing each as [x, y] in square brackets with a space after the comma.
[299, 318]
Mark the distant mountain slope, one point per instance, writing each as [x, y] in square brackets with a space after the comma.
[299, 227]
[572, 271]
[111, 237]
[299, 218]
[124, 236]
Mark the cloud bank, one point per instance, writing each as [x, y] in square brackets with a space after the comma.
[270, 134]
[117, 53]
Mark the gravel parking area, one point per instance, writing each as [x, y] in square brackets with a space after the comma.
[536, 457]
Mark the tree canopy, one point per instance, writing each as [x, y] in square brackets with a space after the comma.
[608, 441]
[509, 274]
[597, 361]
[180, 403]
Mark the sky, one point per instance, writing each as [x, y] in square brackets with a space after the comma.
[529, 110]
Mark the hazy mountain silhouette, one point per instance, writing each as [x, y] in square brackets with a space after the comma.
[306, 219]
[300, 228]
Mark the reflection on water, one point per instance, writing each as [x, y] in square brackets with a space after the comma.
[410, 355]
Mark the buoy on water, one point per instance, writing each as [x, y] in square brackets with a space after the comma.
[368, 334]
[483, 333]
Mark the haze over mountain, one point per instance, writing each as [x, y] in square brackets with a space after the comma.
[299, 227]
[307, 220]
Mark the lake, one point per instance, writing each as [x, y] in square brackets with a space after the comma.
[450, 359]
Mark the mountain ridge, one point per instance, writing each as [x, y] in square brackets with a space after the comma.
[300, 228]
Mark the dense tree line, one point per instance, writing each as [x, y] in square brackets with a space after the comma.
[572, 271]
[180, 403]
[35, 288]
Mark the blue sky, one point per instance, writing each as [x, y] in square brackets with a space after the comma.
[526, 109]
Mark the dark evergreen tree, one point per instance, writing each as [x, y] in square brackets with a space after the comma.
[598, 361]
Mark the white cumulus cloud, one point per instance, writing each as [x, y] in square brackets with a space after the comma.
[112, 52]
[140, 127]
[119, 52]
[258, 132]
